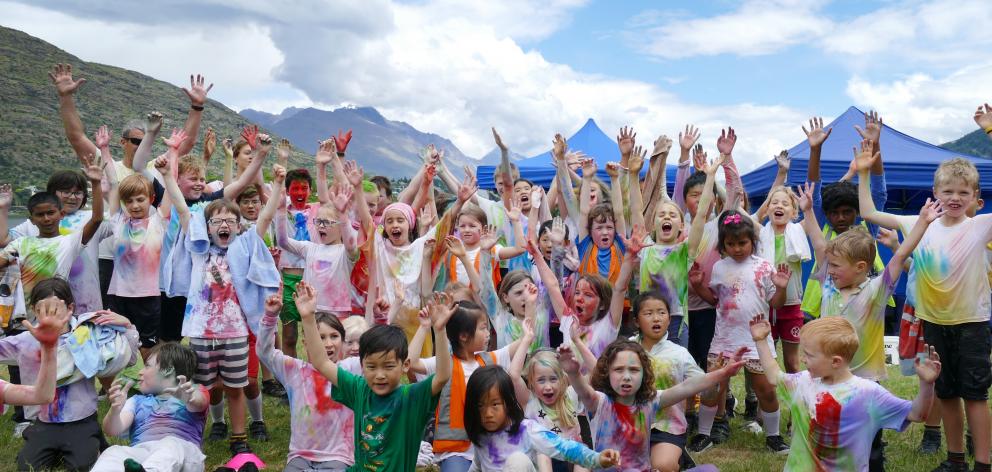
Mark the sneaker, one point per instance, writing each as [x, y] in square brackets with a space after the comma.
[273, 388]
[218, 432]
[239, 447]
[751, 409]
[731, 404]
[720, 432]
[20, 427]
[131, 465]
[930, 443]
[948, 466]
[699, 443]
[753, 427]
[258, 431]
[777, 445]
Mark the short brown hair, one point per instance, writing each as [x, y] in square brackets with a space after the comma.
[600, 377]
[248, 192]
[600, 213]
[834, 335]
[191, 164]
[237, 147]
[604, 290]
[216, 206]
[134, 185]
[956, 168]
[855, 245]
[511, 279]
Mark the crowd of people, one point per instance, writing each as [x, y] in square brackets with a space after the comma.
[589, 325]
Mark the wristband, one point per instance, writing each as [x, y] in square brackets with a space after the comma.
[197, 107]
[988, 130]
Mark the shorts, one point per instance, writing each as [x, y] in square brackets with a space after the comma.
[702, 325]
[75, 445]
[714, 362]
[252, 356]
[659, 436]
[964, 350]
[227, 358]
[143, 312]
[170, 327]
[289, 314]
[786, 323]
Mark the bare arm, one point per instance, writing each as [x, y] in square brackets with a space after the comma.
[61, 76]
[440, 314]
[163, 164]
[927, 370]
[261, 149]
[705, 200]
[6, 199]
[784, 162]
[811, 226]
[275, 202]
[326, 153]
[816, 135]
[517, 363]
[228, 162]
[548, 278]
[693, 385]
[616, 198]
[197, 94]
[585, 392]
[93, 167]
[585, 194]
[928, 214]
[306, 303]
[116, 421]
[865, 160]
[153, 124]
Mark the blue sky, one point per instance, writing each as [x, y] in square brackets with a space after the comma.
[533, 68]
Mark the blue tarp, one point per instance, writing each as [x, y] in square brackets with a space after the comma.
[909, 164]
[590, 140]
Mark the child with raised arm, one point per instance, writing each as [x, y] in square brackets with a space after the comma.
[164, 422]
[834, 412]
[950, 286]
[389, 417]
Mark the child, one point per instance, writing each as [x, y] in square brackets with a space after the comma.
[507, 306]
[471, 222]
[468, 336]
[65, 430]
[506, 441]
[164, 422]
[354, 327]
[601, 230]
[321, 429]
[221, 296]
[741, 284]
[671, 365]
[389, 418]
[52, 315]
[950, 286]
[622, 400]
[834, 412]
[303, 214]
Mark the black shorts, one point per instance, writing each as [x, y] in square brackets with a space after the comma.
[964, 349]
[170, 327]
[702, 324]
[75, 445]
[659, 436]
[143, 312]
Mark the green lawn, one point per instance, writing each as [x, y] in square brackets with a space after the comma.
[744, 451]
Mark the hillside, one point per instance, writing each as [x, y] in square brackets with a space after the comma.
[975, 143]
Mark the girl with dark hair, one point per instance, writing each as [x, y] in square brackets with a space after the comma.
[506, 441]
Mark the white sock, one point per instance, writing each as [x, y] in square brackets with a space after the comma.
[706, 415]
[255, 408]
[770, 420]
[217, 412]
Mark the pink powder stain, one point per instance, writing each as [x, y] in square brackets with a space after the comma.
[324, 401]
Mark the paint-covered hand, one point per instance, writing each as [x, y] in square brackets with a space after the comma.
[455, 246]
[380, 311]
[176, 139]
[273, 306]
[52, 316]
[341, 141]
[636, 160]
[695, 275]
[783, 160]
[326, 151]
[354, 173]
[609, 458]
[687, 138]
[306, 300]
[499, 141]
[781, 277]
[61, 76]
[153, 122]
[196, 92]
[558, 147]
[760, 329]
[626, 140]
[725, 143]
[488, 237]
[109, 318]
[928, 368]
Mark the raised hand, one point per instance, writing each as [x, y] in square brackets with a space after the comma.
[426, 217]
[889, 238]
[380, 311]
[153, 122]
[932, 210]
[626, 140]
[196, 92]
[424, 317]
[61, 76]
[558, 147]
[52, 316]
[636, 159]
[528, 325]
[184, 389]
[210, 142]
[983, 117]
[228, 145]
[101, 139]
[487, 237]
[533, 250]
[760, 328]
[716, 163]
[250, 135]
[588, 168]
[341, 197]
[805, 193]
[725, 143]
[176, 140]
[864, 158]
[117, 394]
[557, 233]
[429, 173]
[93, 166]
[663, 144]
[567, 360]
[613, 169]
[161, 164]
[341, 141]
[928, 368]
[688, 137]
[273, 305]
[636, 241]
[354, 173]
[441, 308]
[6, 195]
[499, 141]
[282, 150]
[536, 196]
[816, 135]
[781, 277]
[305, 299]
[873, 127]
[264, 142]
[513, 213]
[455, 246]
[783, 160]
[699, 158]
[609, 458]
[468, 188]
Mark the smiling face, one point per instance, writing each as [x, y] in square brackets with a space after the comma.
[191, 184]
[957, 196]
[845, 272]
[71, 198]
[397, 228]
[668, 223]
[781, 208]
[351, 342]
[137, 206]
[299, 193]
[492, 411]
[46, 217]
[586, 302]
[469, 230]
[383, 371]
[222, 227]
[152, 380]
[626, 374]
[521, 193]
[603, 231]
[652, 319]
[328, 226]
[545, 383]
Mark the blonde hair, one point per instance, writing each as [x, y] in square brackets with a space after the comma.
[354, 323]
[834, 335]
[788, 192]
[957, 168]
[672, 204]
[855, 245]
[134, 185]
[191, 164]
[563, 408]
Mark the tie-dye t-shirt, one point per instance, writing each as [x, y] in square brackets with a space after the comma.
[531, 438]
[301, 228]
[949, 277]
[546, 415]
[397, 274]
[44, 258]
[833, 425]
[158, 417]
[212, 308]
[321, 429]
[328, 270]
[743, 289]
[865, 309]
[672, 364]
[508, 327]
[84, 275]
[706, 255]
[597, 335]
[626, 429]
[665, 270]
[137, 251]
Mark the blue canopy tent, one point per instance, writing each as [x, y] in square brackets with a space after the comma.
[909, 164]
[589, 139]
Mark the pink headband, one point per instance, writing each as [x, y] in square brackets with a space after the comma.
[403, 208]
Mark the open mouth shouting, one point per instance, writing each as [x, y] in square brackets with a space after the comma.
[224, 236]
[395, 235]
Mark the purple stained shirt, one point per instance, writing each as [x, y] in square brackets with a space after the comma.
[158, 417]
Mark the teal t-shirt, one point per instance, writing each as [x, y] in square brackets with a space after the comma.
[388, 429]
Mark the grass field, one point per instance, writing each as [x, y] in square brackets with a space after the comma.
[745, 452]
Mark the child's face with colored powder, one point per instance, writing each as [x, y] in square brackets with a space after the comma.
[626, 373]
[137, 205]
[152, 380]
[738, 247]
[299, 193]
[521, 192]
[585, 301]
[668, 223]
[383, 371]
[46, 217]
[845, 272]
[517, 297]
[469, 230]
[397, 228]
[545, 245]
[545, 383]
[652, 319]
[492, 411]
[480, 337]
[603, 231]
[331, 339]
[222, 227]
[957, 196]
[328, 226]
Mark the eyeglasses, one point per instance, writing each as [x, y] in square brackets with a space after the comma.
[221, 221]
[324, 223]
[134, 141]
[65, 193]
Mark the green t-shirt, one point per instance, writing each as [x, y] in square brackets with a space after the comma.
[665, 269]
[388, 429]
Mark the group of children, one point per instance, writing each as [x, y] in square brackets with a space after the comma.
[552, 329]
